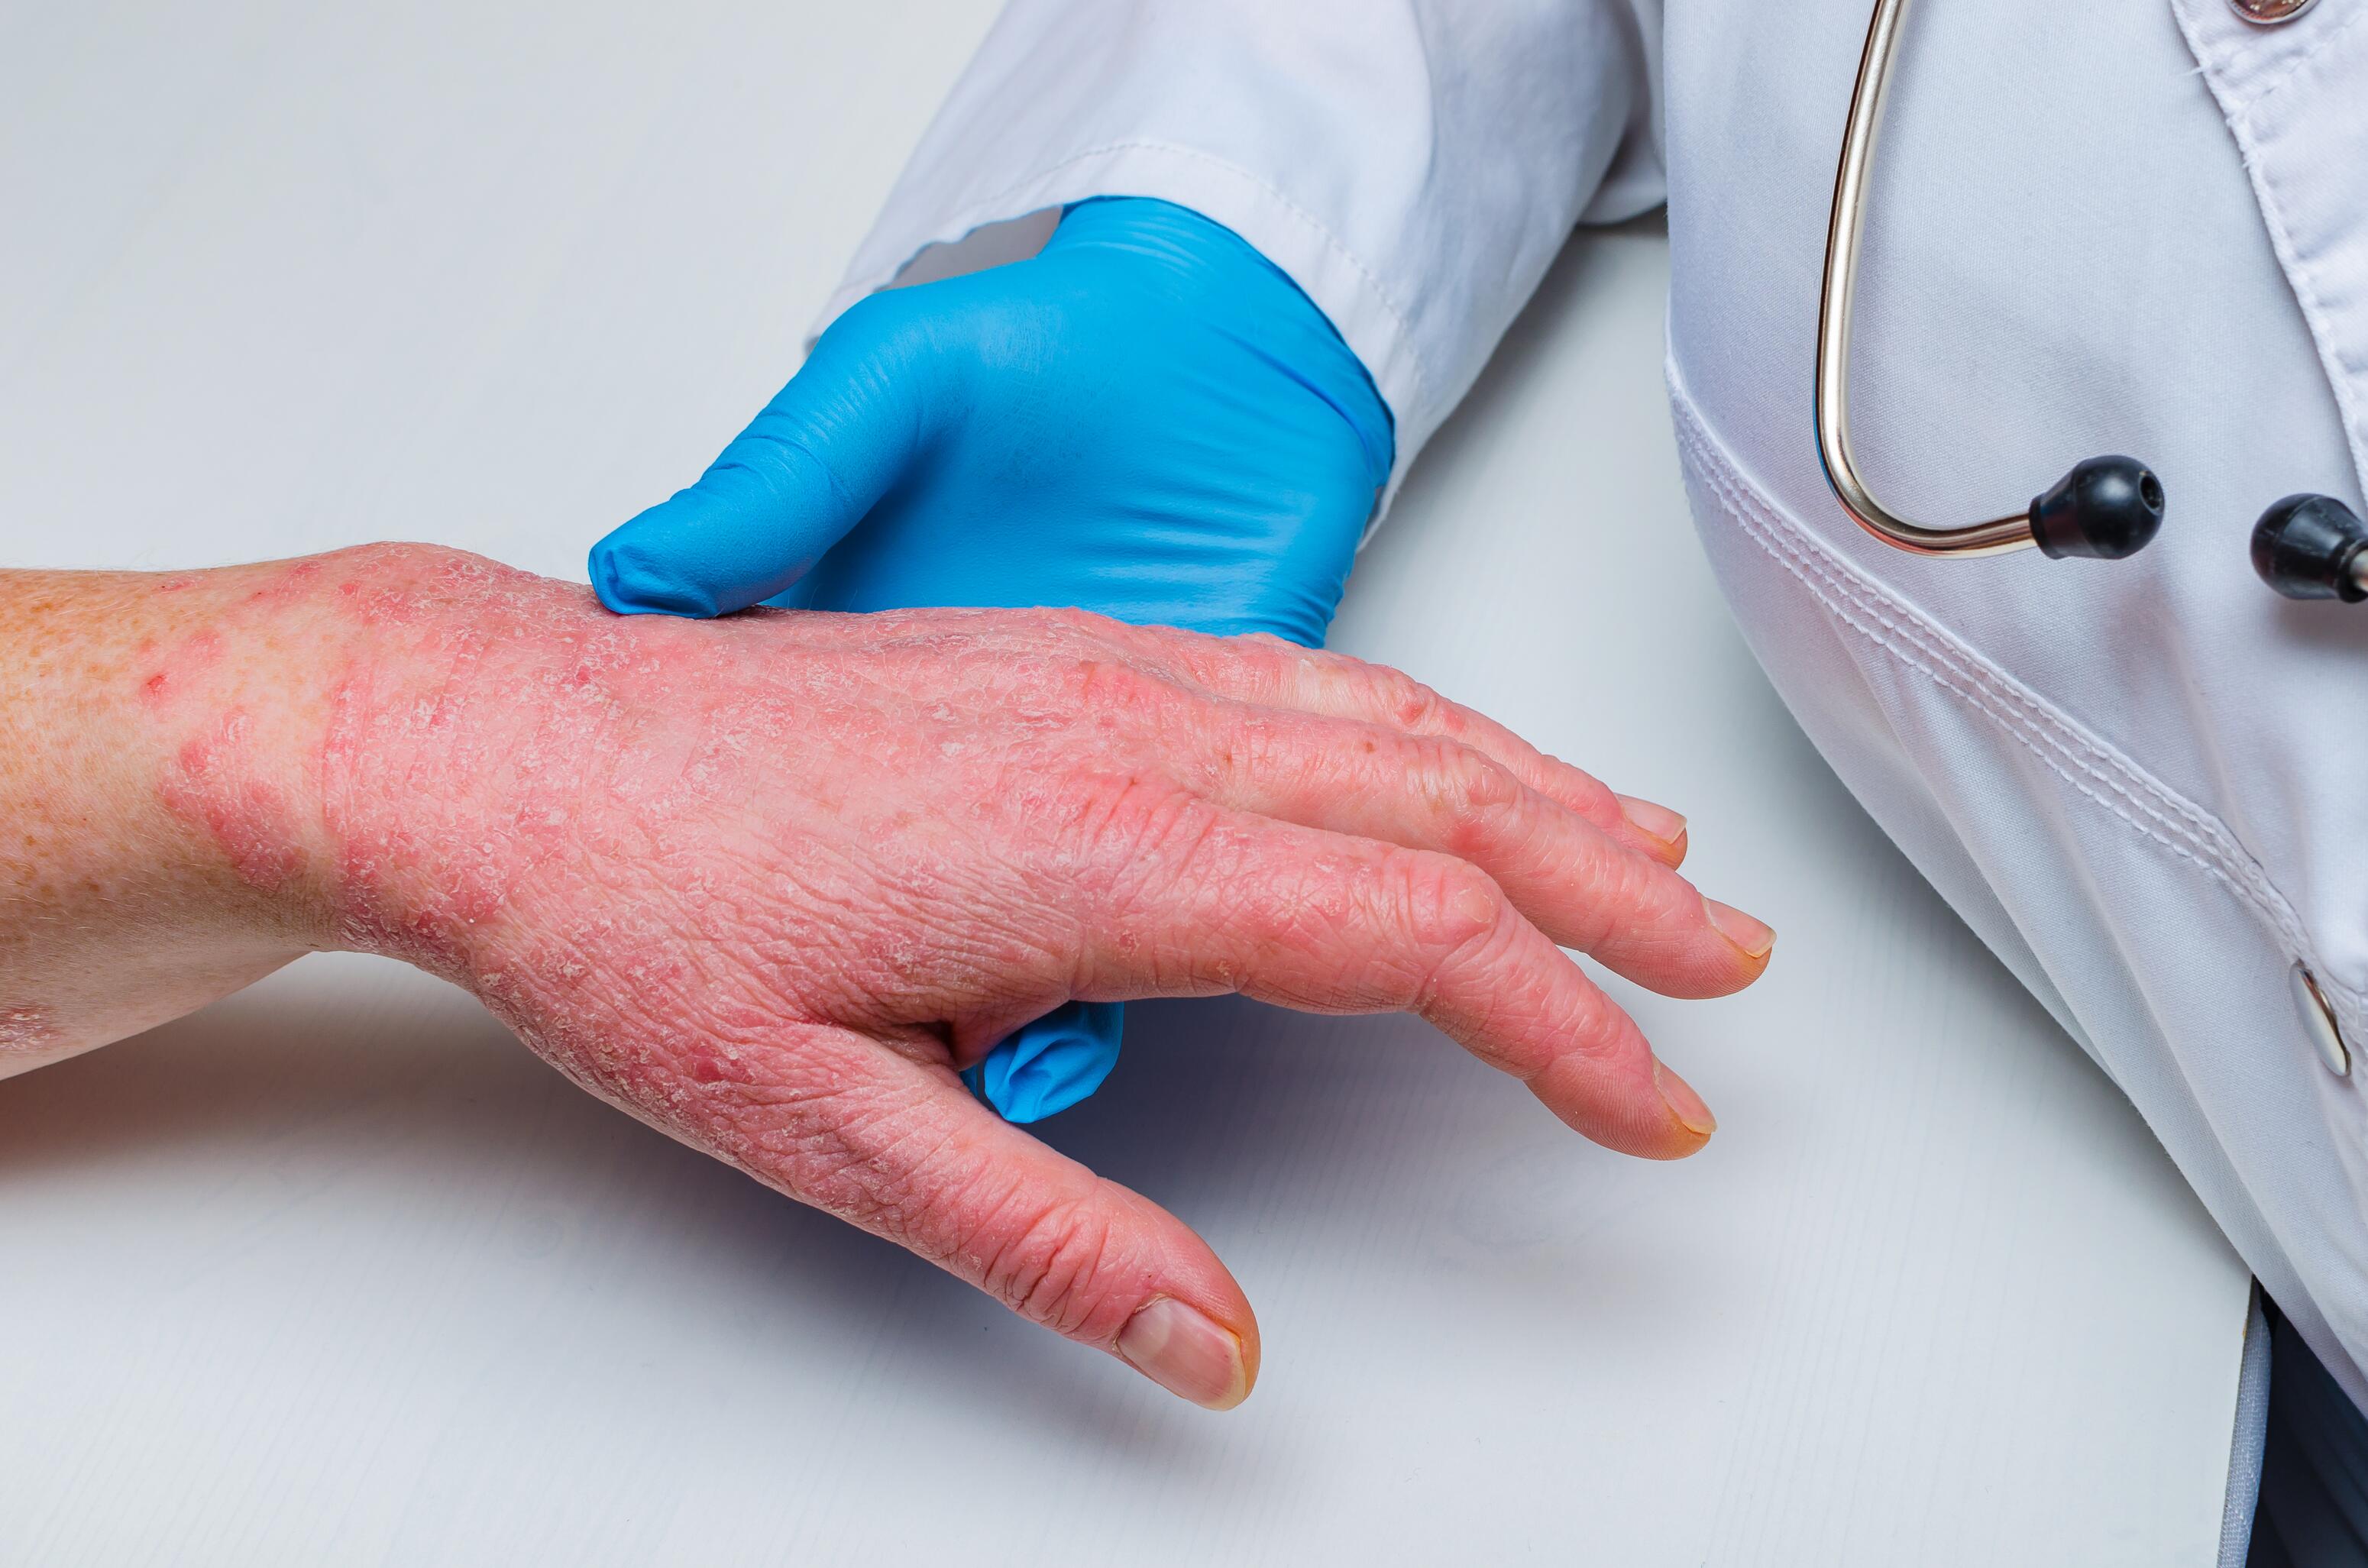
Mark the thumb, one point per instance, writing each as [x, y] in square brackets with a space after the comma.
[791, 485]
[866, 1132]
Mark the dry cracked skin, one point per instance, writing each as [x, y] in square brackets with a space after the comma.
[768, 882]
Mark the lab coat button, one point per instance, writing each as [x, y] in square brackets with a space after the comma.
[2269, 13]
[2318, 1021]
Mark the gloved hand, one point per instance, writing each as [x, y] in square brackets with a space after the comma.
[1147, 419]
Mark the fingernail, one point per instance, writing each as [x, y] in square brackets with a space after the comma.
[1653, 821]
[1185, 1352]
[1754, 937]
[1683, 1103]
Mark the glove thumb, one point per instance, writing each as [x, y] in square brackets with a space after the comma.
[789, 486]
[1050, 1064]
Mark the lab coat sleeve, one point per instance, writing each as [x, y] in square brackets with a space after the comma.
[1412, 165]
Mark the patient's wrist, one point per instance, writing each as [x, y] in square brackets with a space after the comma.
[410, 731]
[455, 750]
[167, 743]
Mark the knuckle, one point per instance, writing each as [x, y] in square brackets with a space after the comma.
[1442, 905]
[1165, 646]
[1418, 708]
[1657, 900]
[1625, 892]
[1590, 1027]
[1408, 703]
[1319, 679]
[1472, 795]
[1082, 624]
[1099, 688]
[1284, 667]
[1477, 973]
[1586, 794]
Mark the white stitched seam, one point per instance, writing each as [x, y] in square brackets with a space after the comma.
[1381, 294]
[2086, 764]
[2310, 49]
[2249, 140]
[2238, 113]
[1913, 644]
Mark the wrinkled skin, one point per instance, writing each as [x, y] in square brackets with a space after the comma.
[768, 882]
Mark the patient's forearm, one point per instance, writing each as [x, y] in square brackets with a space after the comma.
[160, 743]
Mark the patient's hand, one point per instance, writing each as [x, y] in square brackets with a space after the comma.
[768, 883]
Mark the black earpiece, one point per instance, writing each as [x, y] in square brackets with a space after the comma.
[2105, 508]
[2308, 547]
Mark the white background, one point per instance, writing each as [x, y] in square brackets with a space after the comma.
[335, 1273]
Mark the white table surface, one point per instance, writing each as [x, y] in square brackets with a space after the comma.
[335, 1273]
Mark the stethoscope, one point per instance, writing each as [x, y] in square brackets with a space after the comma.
[2306, 547]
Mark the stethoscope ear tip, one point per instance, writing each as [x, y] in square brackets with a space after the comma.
[2313, 546]
[2105, 509]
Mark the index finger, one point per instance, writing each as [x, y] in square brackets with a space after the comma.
[1276, 673]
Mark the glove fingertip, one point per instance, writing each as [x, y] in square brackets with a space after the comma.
[1046, 1066]
[630, 579]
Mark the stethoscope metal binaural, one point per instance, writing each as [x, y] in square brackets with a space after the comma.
[2306, 547]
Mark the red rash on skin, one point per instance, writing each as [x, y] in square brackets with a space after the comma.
[766, 884]
[604, 911]
[555, 711]
[27, 1029]
[210, 782]
[599, 906]
[525, 717]
[289, 585]
[197, 652]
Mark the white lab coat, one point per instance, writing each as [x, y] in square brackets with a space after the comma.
[2122, 225]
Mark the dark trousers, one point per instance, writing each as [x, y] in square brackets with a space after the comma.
[2314, 1506]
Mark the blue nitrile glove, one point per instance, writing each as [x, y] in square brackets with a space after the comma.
[1147, 419]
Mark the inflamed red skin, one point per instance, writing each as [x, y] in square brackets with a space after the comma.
[770, 882]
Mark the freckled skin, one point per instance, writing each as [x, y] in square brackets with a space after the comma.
[767, 882]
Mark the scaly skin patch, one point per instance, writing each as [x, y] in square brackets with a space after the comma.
[27, 1029]
[766, 882]
[641, 840]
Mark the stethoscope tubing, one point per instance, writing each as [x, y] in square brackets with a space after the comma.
[1844, 231]
[2107, 507]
